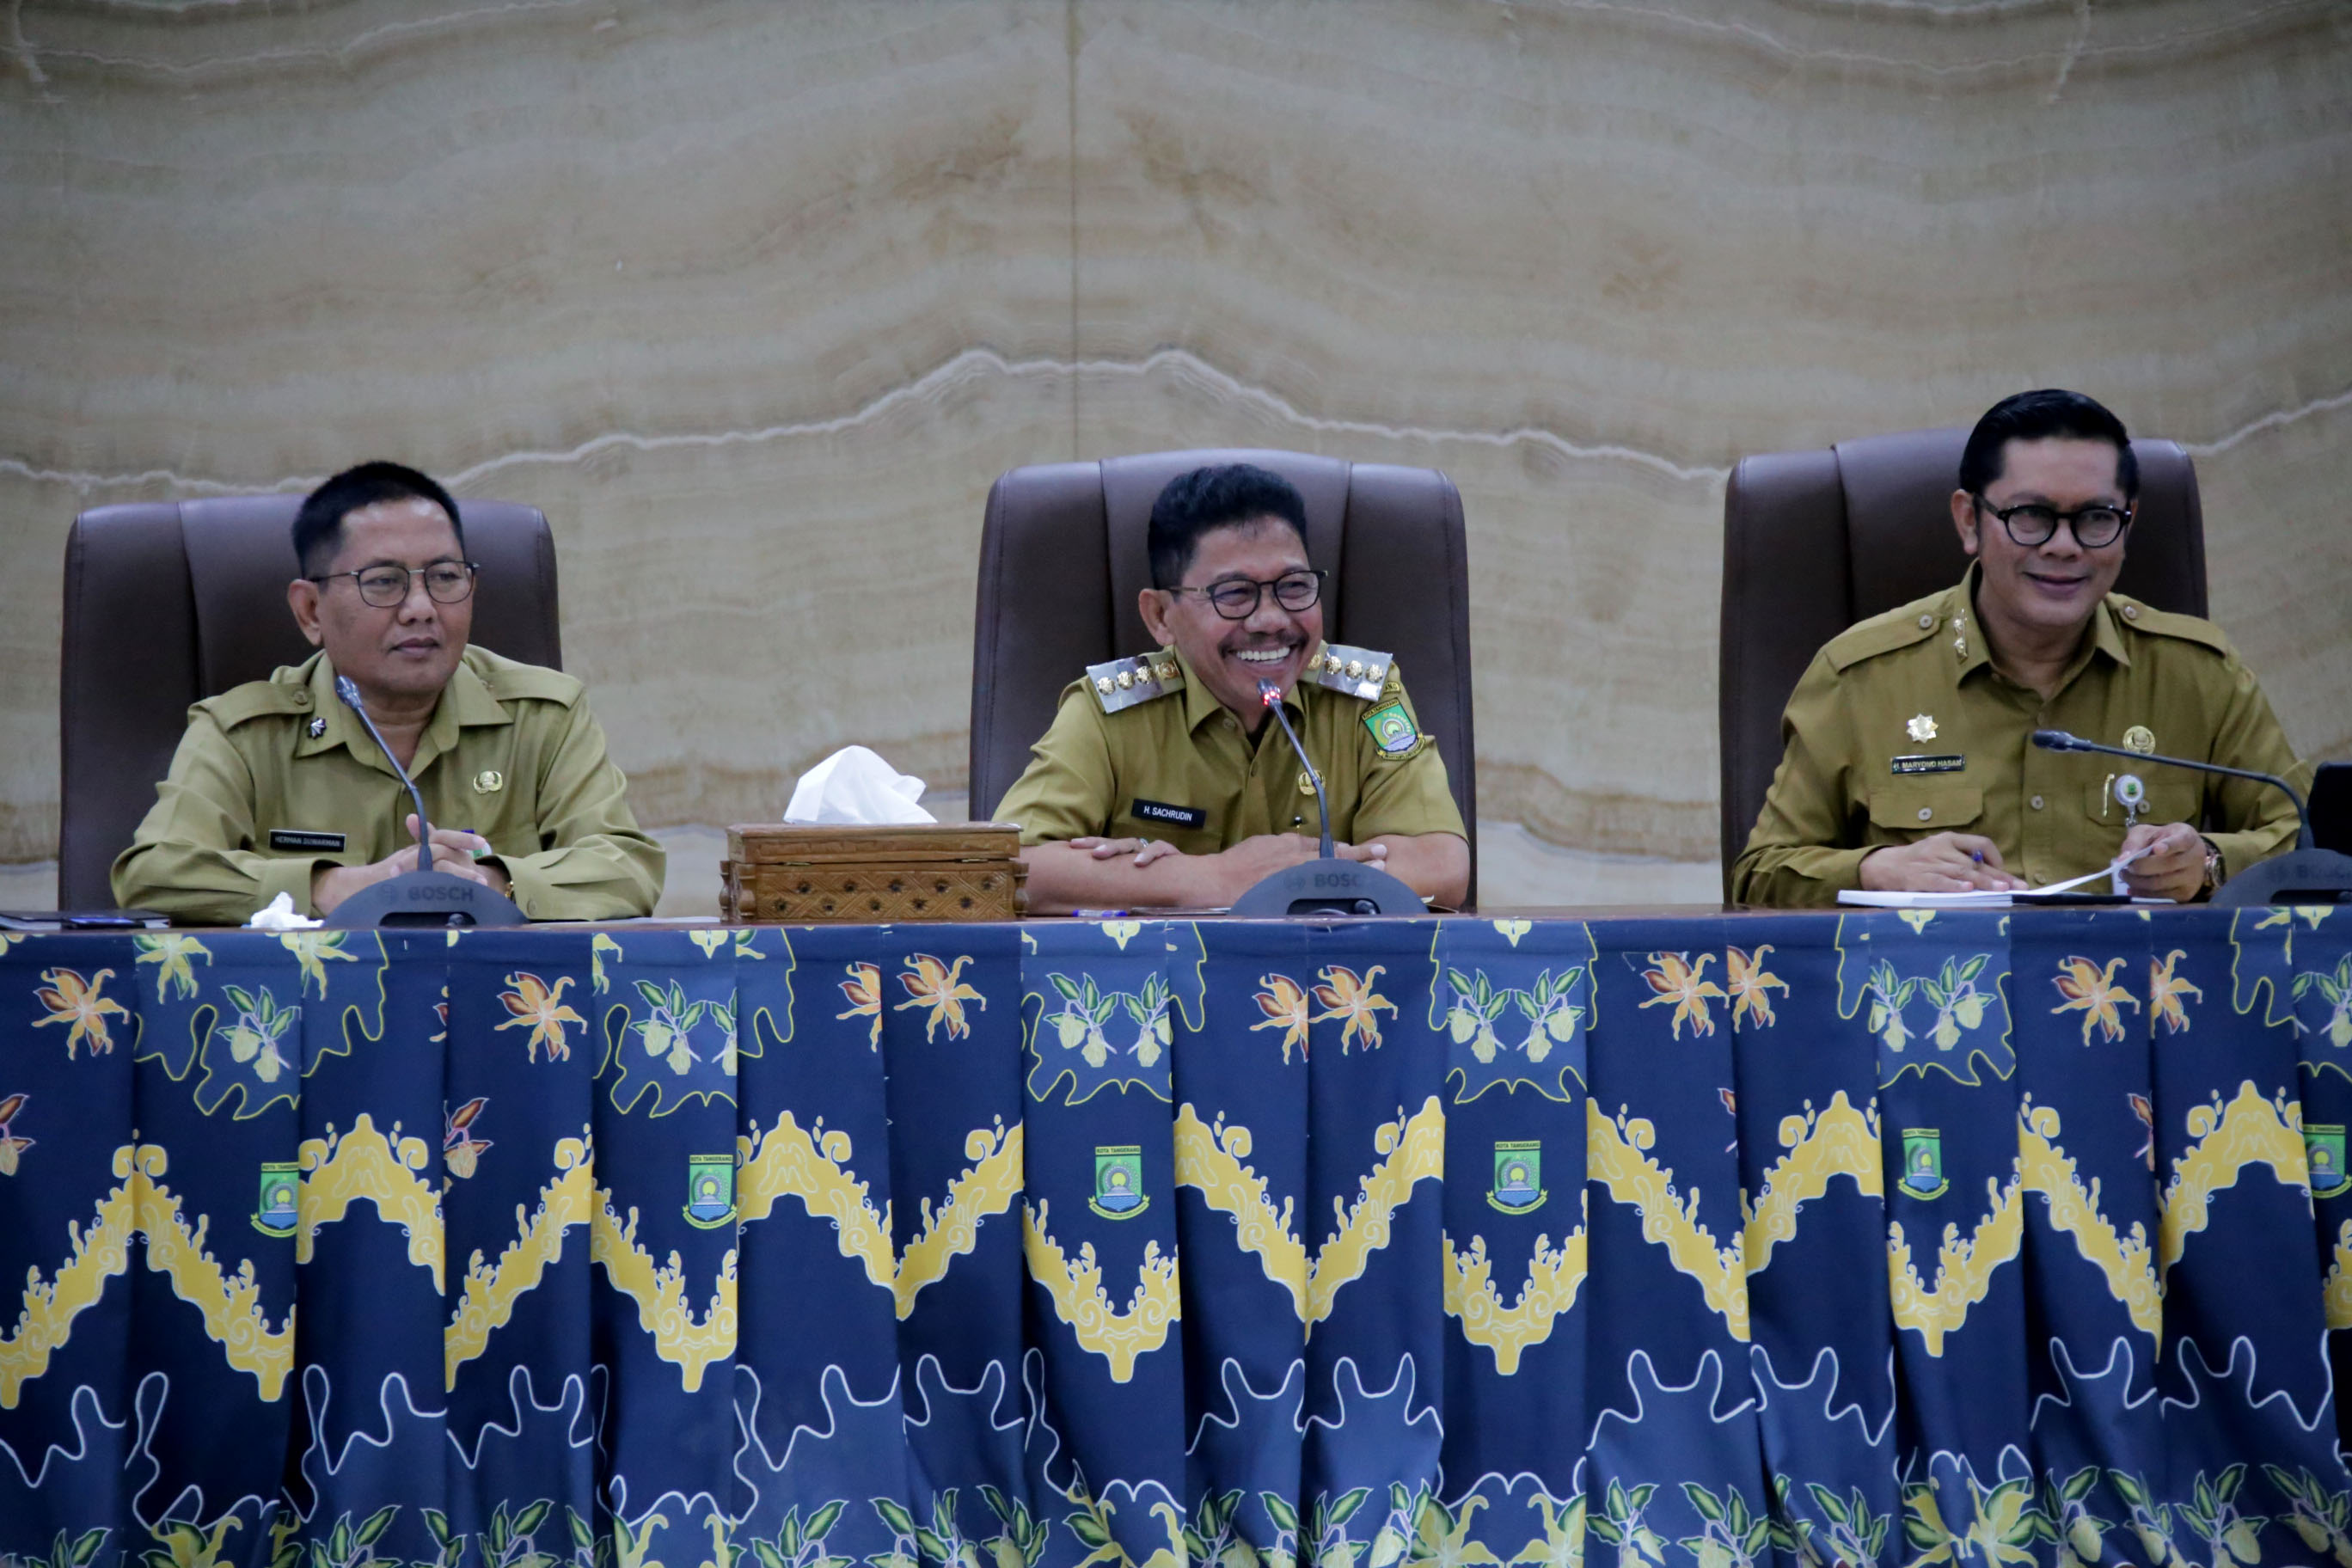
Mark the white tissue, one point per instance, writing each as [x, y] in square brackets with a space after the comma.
[854, 785]
[280, 916]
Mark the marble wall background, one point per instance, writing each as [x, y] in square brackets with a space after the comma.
[756, 299]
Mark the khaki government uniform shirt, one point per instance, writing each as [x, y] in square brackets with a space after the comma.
[1184, 752]
[1902, 728]
[511, 752]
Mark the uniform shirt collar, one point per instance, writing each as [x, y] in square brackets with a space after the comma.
[1201, 704]
[465, 701]
[1962, 630]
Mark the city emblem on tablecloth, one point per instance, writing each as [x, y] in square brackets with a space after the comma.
[274, 1211]
[1922, 727]
[1118, 1181]
[1518, 1176]
[1923, 1163]
[11, 1146]
[461, 1151]
[2323, 1148]
[709, 1190]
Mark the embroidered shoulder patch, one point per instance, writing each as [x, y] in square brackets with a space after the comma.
[1392, 730]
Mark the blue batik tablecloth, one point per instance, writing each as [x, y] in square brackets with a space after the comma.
[1951, 1240]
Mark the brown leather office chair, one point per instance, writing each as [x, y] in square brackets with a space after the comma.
[1813, 542]
[171, 601]
[1062, 558]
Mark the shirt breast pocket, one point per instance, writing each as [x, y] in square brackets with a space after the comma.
[1912, 811]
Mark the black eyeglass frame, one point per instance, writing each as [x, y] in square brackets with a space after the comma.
[2072, 520]
[1258, 591]
[408, 582]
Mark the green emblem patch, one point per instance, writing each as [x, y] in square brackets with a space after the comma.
[1392, 730]
[1119, 1181]
[709, 1190]
[2323, 1148]
[1923, 1163]
[274, 1211]
[1518, 1176]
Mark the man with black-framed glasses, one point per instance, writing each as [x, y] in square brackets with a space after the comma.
[1907, 763]
[277, 787]
[1163, 781]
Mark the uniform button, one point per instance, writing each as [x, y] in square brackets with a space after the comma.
[1927, 814]
[2036, 802]
[2131, 612]
[1927, 622]
[301, 700]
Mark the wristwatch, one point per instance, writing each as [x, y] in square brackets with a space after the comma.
[2213, 869]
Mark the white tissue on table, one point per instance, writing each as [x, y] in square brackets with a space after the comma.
[280, 916]
[854, 785]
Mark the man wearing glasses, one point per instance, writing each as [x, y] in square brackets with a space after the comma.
[1164, 782]
[277, 788]
[1907, 763]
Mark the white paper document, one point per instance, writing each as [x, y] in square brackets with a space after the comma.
[1982, 898]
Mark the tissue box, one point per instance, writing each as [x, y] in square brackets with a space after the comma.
[801, 873]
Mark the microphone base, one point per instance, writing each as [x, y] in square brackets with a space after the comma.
[2297, 876]
[430, 899]
[1333, 887]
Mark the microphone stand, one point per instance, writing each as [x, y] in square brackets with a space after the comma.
[1327, 885]
[2304, 875]
[424, 897]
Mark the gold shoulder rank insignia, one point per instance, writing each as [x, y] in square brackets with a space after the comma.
[1358, 671]
[1124, 682]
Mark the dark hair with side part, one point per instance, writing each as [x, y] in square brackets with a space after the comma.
[1224, 496]
[319, 526]
[2036, 417]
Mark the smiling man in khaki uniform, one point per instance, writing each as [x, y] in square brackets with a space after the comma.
[1909, 764]
[1164, 782]
[277, 787]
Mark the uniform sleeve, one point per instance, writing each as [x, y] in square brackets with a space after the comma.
[2254, 820]
[1405, 796]
[1797, 856]
[1065, 791]
[593, 862]
[188, 859]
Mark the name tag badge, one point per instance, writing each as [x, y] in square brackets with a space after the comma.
[1168, 815]
[1924, 763]
[300, 839]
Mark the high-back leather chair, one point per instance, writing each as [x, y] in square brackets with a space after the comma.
[1062, 557]
[1813, 542]
[168, 602]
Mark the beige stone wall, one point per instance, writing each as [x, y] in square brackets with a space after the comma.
[755, 299]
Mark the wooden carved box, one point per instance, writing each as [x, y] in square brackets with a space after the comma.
[796, 873]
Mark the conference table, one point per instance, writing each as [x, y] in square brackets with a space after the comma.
[1704, 1238]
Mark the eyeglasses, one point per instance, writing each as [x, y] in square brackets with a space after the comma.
[448, 582]
[1237, 598]
[2095, 527]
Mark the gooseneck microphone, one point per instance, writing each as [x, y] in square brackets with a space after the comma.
[424, 897]
[1271, 695]
[1327, 885]
[349, 690]
[2306, 875]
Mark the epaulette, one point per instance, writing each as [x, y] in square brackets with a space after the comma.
[510, 680]
[2141, 617]
[1913, 622]
[257, 700]
[1124, 682]
[1356, 671]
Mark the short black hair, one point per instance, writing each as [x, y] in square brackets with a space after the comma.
[2037, 415]
[1219, 497]
[319, 526]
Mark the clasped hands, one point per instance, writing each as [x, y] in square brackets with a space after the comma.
[452, 851]
[2173, 868]
[1225, 876]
